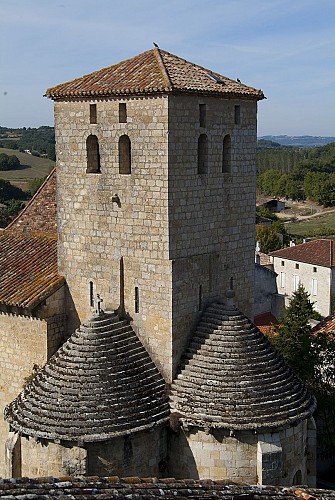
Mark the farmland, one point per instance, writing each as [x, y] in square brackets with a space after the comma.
[31, 167]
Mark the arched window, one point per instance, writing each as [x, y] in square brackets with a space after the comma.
[202, 154]
[226, 155]
[93, 156]
[124, 155]
[297, 479]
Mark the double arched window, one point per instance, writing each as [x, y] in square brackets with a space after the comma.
[93, 156]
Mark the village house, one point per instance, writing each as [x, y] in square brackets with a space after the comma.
[126, 343]
[313, 265]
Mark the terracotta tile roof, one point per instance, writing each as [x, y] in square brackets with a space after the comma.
[118, 389]
[40, 214]
[327, 325]
[317, 252]
[28, 251]
[134, 487]
[151, 72]
[28, 268]
[265, 322]
[264, 259]
[233, 378]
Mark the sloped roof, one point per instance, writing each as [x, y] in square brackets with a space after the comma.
[100, 384]
[50, 488]
[265, 321]
[151, 72]
[233, 378]
[28, 251]
[28, 268]
[326, 326]
[316, 252]
[40, 214]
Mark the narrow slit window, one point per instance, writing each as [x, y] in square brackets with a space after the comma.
[93, 113]
[200, 298]
[202, 154]
[91, 294]
[226, 155]
[122, 112]
[202, 115]
[237, 114]
[124, 155]
[93, 155]
[297, 266]
[137, 300]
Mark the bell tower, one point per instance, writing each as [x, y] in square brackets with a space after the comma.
[156, 194]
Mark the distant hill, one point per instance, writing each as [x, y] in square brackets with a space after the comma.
[306, 141]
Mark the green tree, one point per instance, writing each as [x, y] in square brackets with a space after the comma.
[311, 355]
[294, 337]
[34, 185]
[268, 238]
[9, 162]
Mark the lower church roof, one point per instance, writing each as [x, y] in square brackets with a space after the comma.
[100, 384]
[233, 378]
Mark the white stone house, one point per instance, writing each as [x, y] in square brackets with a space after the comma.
[313, 265]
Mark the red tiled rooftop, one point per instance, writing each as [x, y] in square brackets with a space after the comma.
[153, 71]
[316, 252]
[265, 322]
[28, 251]
[28, 268]
[327, 325]
[40, 214]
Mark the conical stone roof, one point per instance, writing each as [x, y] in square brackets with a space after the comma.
[100, 384]
[233, 378]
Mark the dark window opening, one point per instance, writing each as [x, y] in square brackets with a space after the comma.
[122, 112]
[93, 113]
[226, 155]
[137, 300]
[237, 114]
[297, 266]
[202, 115]
[314, 269]
[202, 154]
[93, 155]
[124, 155]
[91, 294]
[282, 263]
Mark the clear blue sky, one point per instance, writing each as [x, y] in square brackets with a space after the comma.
[284, 47]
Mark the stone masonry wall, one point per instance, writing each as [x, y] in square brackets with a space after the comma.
[295, 454]
[211, 215]
[162, 212]
[26, 343]
[45, 459]
[95, 232]
[142, 454]
[215, 455]
[23, 344]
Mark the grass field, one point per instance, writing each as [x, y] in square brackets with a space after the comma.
[31, 167]
[323, 225]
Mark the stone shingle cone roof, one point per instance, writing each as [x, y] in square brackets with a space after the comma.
[151, 72]
[100, 384]
[233, 378]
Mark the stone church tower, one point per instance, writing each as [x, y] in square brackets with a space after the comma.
[160, 373]
[156, 194]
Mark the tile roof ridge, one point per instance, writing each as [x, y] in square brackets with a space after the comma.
[19, 215]
[160, 61]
